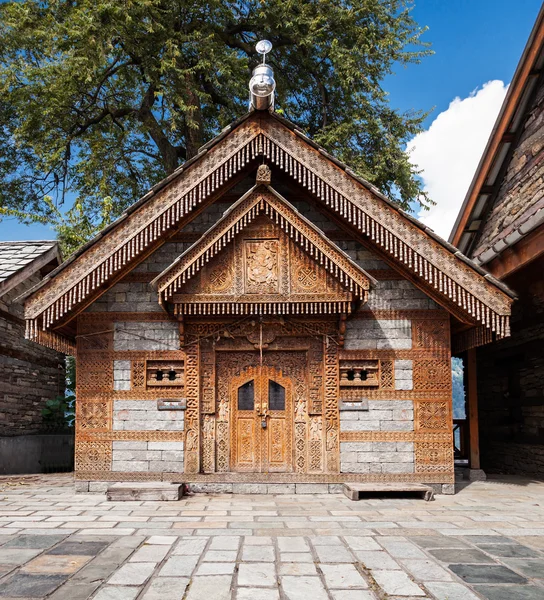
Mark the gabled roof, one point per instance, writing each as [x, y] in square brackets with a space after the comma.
[20, 260]
[445, 274]
[502, 142]
[264, 200]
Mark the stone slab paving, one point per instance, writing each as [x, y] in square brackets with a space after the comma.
[486, 542]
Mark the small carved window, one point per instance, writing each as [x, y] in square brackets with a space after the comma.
[276, 396]
[163, 373]
[246, 396]
[360, 373]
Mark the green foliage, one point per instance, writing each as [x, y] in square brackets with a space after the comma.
[103, 98]
[59, 412]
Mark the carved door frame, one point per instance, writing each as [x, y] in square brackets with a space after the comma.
[311, 361]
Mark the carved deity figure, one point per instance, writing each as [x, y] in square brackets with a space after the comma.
[316, 429]
[299, 411]
[262, 266]
[191, 440]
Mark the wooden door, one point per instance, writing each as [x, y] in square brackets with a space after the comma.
[262, 421]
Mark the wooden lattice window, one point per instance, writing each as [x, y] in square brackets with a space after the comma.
[165, 373]
[359, 373]
[366, 374]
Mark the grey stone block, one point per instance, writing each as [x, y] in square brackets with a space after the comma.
[397, 468]
[361, 425]
[148, 405]
[172, 455]
[152, 490]
[81, 486]
[389, 404]
[448, 488]
[211, 488]
[121, 385]
[249, 488]
[311, 488]
[384, 447]
[281, 488]
[349, 416]
[398, 426]
[400, 344]
[120, 365]
[404, 384]
[130, 465]
[348, 457]
[403, 414]
[166, 466]
[353, 406]
[355, 468]
[356, 446]
[98, 486]
[130, 445]
[165, 445]
[353, 343]
[136, 455]
[376, 415]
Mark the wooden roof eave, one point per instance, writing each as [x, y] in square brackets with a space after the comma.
[354, 200]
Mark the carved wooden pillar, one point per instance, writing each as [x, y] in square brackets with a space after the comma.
[332, 418]
[192, 412]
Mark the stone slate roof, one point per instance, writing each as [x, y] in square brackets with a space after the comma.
[15, 256]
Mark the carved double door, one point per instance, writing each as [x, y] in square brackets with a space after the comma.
[261, 398]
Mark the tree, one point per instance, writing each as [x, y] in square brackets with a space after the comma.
[103, 98]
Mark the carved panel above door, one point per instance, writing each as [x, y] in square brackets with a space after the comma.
[263, 266]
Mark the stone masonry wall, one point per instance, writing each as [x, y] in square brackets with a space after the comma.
[30, 374]
[141, 414]
[522, 190]
[382, 335]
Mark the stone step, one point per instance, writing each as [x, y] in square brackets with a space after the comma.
[354, 490]
[145, 490]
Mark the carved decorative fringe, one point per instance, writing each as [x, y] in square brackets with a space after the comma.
[48, 338]
[384, 238]
[472, 338]
[150, 233]
[240, 218]
[147, 234]
[266, 308]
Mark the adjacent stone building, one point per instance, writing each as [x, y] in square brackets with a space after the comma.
[264, 317]
[501, 226]
[29, 374]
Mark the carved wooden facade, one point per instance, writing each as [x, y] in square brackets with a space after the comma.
[264, 357]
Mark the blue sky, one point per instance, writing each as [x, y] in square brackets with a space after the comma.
[475, 42]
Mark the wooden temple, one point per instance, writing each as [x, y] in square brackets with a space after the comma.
[263, 315]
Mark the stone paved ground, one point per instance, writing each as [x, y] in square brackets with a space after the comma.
[485, 542]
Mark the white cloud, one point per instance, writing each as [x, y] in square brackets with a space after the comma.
[450, 150]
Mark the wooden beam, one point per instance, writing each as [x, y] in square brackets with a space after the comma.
[512, 259]
[472, 406]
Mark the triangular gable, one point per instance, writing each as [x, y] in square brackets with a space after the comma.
[459, 285]
[259, 201]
